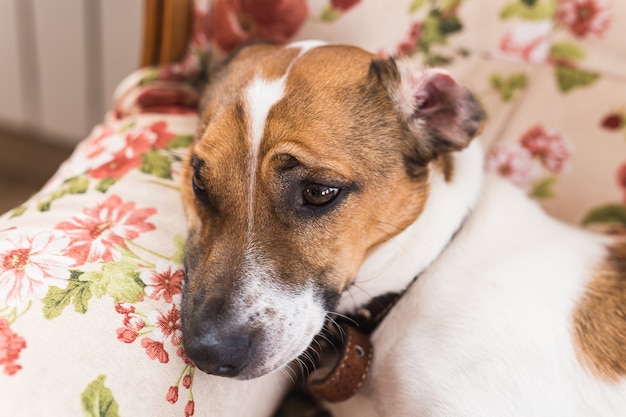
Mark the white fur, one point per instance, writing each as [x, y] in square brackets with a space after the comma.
[486, 330]
[298, 315]
[291, 317]
[261, 95]
[392, 266]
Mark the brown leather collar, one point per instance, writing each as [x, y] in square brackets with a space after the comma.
[347, 352]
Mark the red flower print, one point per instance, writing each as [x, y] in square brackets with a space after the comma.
[551, 148]
[528, 41]
[187, 381]
[103, 142]
[126, 335]
[621, 179]
[584, 16]
[128, 156]
[181, 353]
[132, 324]
[166, 281]
[161, 136]
[512, 163]
[124, 308]
[233, 22]
[189, 409]
[167, 325]
[10, 346]
[172, 394]
[613, 121]
[344, 5]
[95, 234]
[30, 264]
[155, 350]
[200, 33]
[407, 46]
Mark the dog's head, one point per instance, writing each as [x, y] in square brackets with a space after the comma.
[307, 157]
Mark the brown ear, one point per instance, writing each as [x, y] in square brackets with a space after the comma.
[440, 115]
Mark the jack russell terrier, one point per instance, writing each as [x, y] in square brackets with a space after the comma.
[323, 177]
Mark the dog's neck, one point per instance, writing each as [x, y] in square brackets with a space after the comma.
[393, 266]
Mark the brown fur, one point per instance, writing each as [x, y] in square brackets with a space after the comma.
[335, 125]
[316, 136]
[600, 319]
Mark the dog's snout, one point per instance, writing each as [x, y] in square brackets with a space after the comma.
[222, 355]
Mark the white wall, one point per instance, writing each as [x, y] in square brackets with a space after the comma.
[61, 60]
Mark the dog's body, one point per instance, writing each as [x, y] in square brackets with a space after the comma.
[322, 177]
[518, 316]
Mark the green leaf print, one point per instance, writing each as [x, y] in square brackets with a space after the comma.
[567, 50]
[535, 10]
[609, 214]
[543, 189]
[179, 256]
[508, 86]
[416, 5]
[98, 401]
[119, 280]
[78, 292]
[570, 78]
[73, 185]
[156, 164]
[180, 141]
[104, 184]
[330, 14]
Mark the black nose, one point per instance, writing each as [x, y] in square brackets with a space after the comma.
[223, 356]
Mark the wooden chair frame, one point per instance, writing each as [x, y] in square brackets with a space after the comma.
[166, 30]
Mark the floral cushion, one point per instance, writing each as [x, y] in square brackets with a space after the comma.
[90, 267]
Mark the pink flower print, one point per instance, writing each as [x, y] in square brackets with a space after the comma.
[189, 408]
[583, 17]
[187, 381]
[127, 158]
[233, 22]
[181, 353]
[408, 45]
[124, 308]
[172, 394]
[513, 163]
[102, 144]
[528, 41]
[167, 325]
[613, 121]
[200, 33]
[11, 345]
[155, 350]
[126, 335]
[344, 5]
[95, 234]
[621, 179]
[551, 148]
[165, 281]
[30, 264]
[132, 323]
[129, 155]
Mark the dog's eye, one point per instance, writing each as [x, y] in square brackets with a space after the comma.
[198, 186]
[319, 195]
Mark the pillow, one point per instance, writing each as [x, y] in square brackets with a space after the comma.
[91, 273]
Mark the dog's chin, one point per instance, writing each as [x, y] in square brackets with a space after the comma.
[278, 362]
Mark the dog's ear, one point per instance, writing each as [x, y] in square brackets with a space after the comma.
[438, 113]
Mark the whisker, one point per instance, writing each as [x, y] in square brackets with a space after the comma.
[343, 316]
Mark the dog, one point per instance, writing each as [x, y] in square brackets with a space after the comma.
[323, 176]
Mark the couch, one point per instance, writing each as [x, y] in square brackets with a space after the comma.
[91, 266]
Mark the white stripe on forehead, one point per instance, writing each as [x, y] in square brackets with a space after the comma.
[260, 96]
